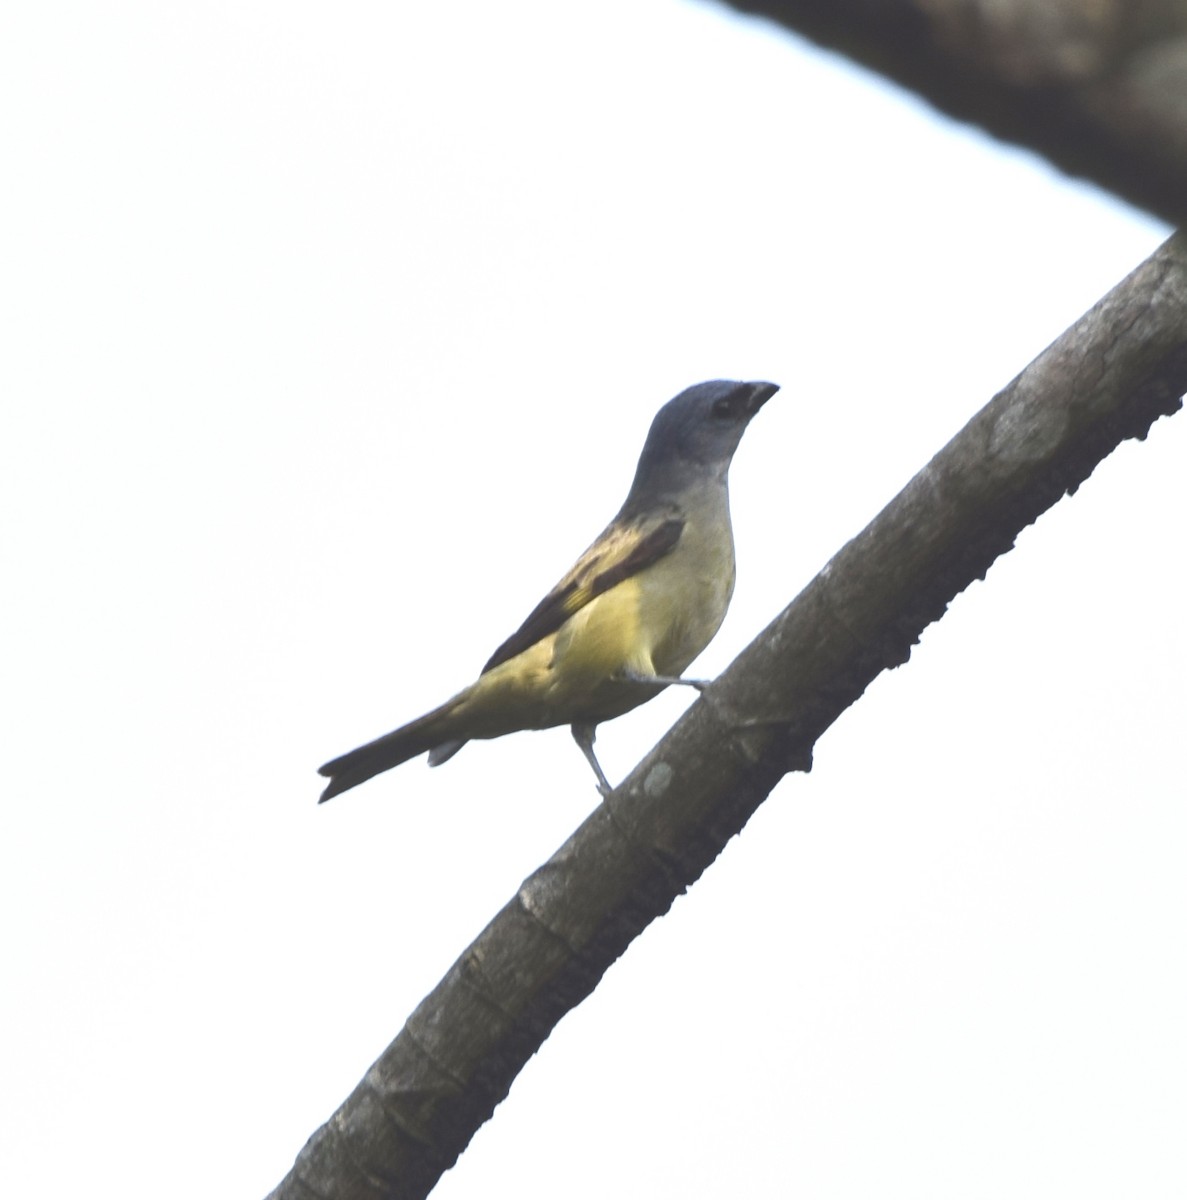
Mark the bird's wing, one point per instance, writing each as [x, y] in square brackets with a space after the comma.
[622, 551]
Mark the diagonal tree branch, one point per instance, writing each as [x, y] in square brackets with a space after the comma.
[1097, 86]
[1119, 368]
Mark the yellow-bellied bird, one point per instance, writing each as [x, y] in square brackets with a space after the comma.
[639, 605]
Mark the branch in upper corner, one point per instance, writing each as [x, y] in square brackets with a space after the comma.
[1099, 89]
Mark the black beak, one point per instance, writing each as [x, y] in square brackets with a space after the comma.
[760, 393]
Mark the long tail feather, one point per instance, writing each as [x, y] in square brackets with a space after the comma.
[425, 733]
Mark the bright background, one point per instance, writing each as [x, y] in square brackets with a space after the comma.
[331, 335]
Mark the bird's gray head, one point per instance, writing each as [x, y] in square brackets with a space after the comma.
[700, 428]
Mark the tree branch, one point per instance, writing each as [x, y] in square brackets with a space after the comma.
[1097, 86]
[1106, 379]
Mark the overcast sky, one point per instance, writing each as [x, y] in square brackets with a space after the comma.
[331, 336]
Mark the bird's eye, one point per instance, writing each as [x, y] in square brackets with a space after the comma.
[723, 407]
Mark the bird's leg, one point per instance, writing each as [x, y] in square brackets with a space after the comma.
[629, 676]
[583, 735]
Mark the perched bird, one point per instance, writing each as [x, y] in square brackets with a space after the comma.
[639, 605]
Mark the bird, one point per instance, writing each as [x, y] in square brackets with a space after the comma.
[632, 613]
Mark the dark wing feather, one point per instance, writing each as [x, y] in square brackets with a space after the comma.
[622, 551]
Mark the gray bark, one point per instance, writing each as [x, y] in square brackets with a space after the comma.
[1099, 87]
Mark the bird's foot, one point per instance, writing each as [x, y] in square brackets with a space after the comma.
[583, 735]
[629, 676]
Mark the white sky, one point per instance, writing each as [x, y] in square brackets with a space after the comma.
[331, 335]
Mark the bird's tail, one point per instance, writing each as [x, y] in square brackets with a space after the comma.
[430, 732]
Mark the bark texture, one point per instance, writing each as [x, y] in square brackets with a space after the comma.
[1099, 87]
[1106, 379]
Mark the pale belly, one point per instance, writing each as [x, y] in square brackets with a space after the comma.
[654, 623]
